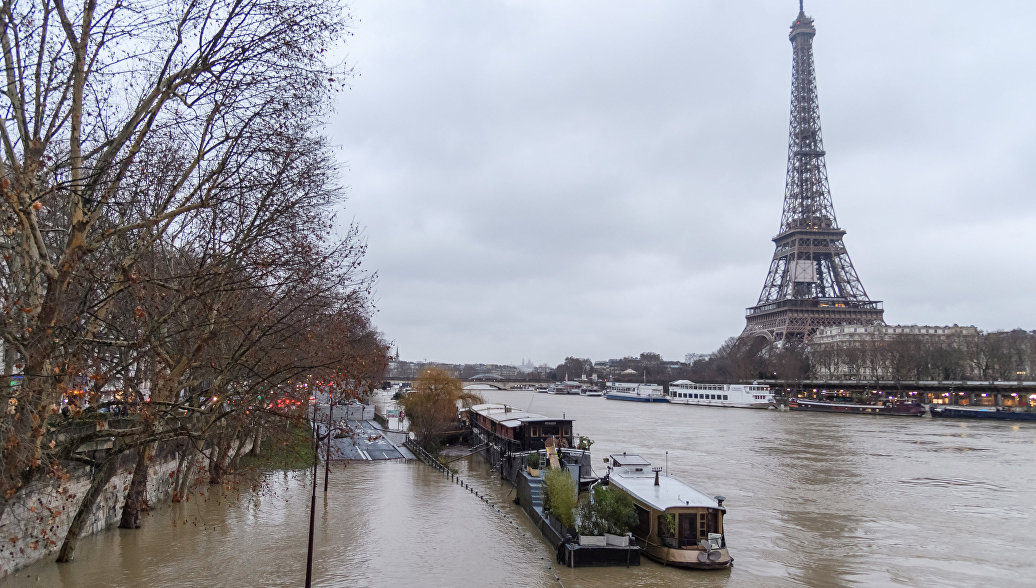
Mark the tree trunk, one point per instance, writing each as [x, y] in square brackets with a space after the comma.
[136, 495]
[257, 441]
[216, 461]
[184, 471]
[100, 479]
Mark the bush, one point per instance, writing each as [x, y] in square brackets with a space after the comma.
[590, 521]
[610, 511]
[560, 499]
[533, 460]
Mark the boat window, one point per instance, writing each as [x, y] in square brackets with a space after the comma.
[725, 397]
[713, 522]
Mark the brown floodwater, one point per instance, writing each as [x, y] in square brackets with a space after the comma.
[812, 499]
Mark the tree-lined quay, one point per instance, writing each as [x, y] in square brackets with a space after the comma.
[173, 275]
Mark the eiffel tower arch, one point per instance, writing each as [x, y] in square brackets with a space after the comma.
[811, 283]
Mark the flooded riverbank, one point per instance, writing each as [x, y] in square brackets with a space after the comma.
[813, 499]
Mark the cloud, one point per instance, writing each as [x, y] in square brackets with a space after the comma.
[603, 178]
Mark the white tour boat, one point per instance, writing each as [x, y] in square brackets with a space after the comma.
[728, 395]
[635, 392]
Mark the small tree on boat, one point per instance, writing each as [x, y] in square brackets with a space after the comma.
[560, 499]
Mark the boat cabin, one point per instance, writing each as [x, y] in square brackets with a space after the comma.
[514, 430]
[677, 524]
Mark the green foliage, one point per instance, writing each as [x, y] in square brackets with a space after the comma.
[292, 450]
[590, 521]
[533, 460]
[667, 526]
[610, 511]
[585, 442]
[560, 498]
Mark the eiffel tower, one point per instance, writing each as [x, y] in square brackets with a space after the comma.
[812, 282]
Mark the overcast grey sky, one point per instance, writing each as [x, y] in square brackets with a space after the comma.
[600, 178]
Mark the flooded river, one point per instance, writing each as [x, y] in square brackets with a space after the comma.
[812, 499]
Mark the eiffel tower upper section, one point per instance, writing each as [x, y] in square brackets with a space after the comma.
[811, 282]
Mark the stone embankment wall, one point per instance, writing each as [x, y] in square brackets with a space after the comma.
[35, 524]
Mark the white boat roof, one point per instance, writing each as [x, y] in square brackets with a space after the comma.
[634, 475]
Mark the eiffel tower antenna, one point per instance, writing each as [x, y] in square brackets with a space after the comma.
[811, 282]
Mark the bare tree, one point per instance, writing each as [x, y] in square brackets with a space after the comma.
[126, 126]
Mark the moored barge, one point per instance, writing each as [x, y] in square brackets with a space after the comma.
[894, 408]
[986, 413]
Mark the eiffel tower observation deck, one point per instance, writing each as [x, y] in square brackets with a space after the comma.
[811, 283]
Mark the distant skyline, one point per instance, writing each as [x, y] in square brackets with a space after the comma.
[599, 179]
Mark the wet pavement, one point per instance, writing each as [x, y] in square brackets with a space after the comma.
[358, 438]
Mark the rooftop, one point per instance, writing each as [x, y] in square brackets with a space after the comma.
[634, 475]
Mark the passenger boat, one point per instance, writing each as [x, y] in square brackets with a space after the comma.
[591, 391]
[982, 412]
[727, 395]
[894, 408]
[635, 392]
[542, 389]
[677, 525]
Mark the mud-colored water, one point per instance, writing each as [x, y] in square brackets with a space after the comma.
[813, 499]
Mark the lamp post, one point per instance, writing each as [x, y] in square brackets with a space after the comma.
[313, 501]
[330, 421]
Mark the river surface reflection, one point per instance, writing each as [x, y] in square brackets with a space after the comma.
[813, 499]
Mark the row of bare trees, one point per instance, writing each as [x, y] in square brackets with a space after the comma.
[996, 355]
[171, 263]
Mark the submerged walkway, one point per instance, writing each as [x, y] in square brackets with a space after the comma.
[363, 439]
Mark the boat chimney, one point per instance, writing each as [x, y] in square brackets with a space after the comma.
[720, 499]
[656, 469]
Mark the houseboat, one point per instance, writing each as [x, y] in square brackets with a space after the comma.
[982, 412]
[512, 430]
[635, 392]
[677, 525]
[591, 391]
[726, 395]
[845, 405]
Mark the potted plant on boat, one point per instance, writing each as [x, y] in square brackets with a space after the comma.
[532, 464]
[591, 526]
[618, 511]
[607, 513]
[560, 497]
[667, 530]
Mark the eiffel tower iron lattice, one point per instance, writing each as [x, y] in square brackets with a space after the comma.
[811, 283]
